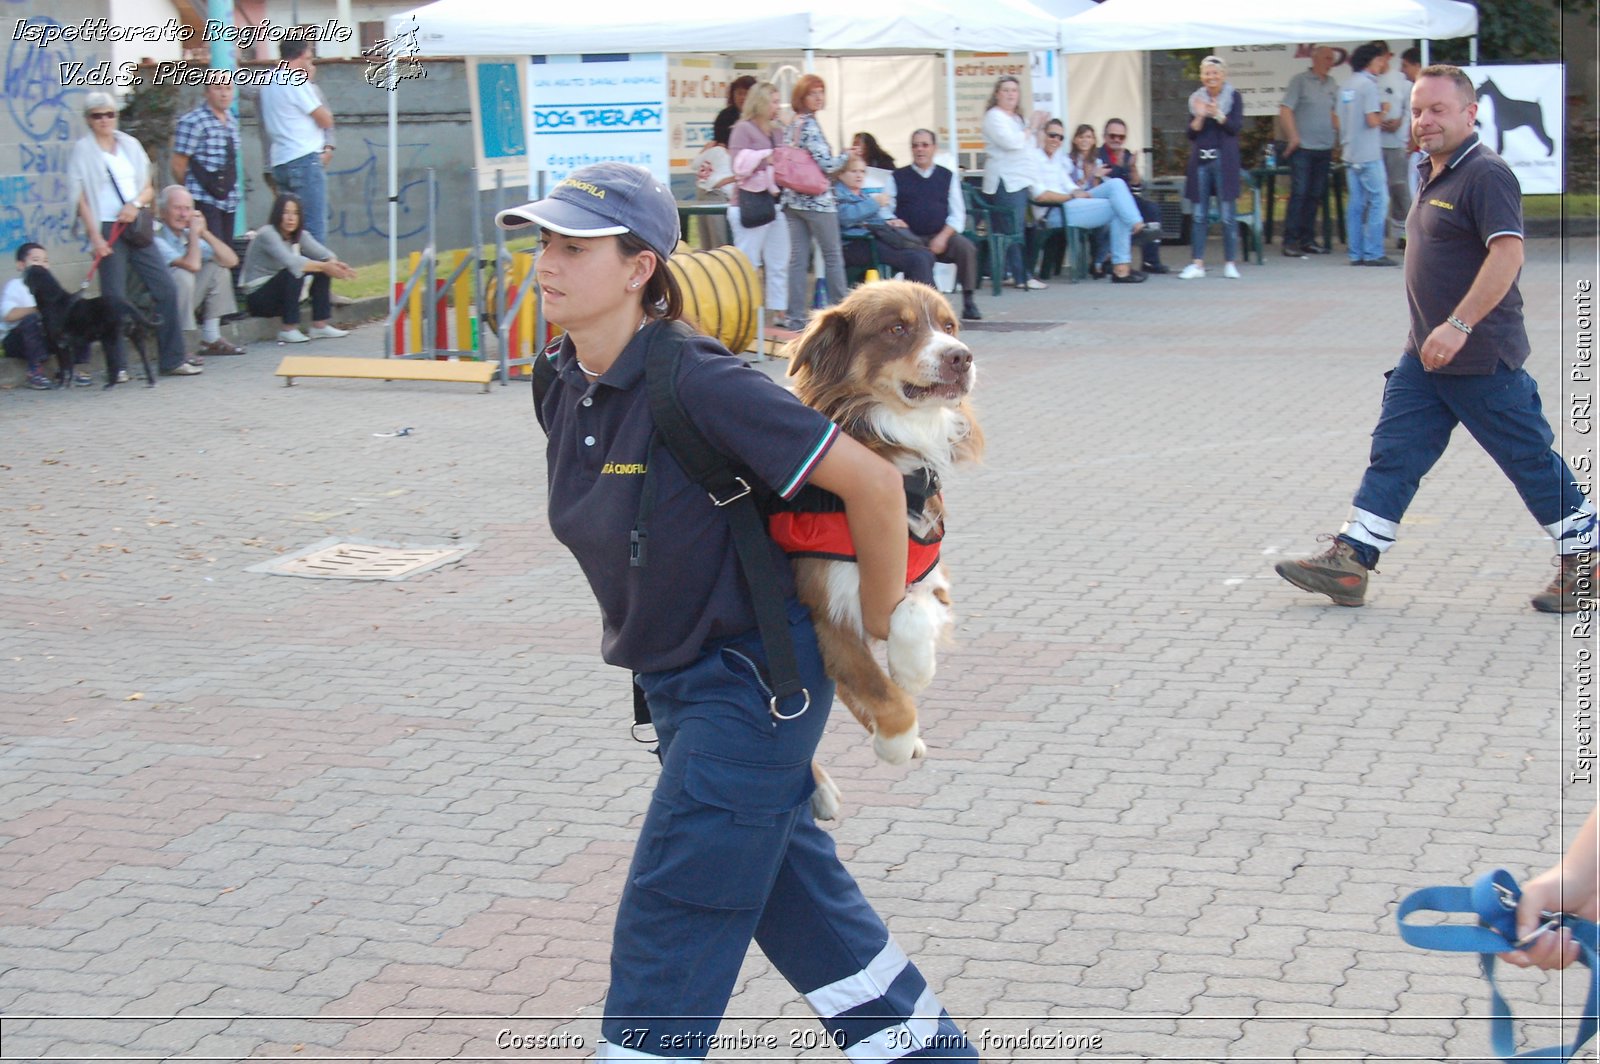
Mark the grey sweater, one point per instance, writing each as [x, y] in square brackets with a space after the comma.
[269, 252]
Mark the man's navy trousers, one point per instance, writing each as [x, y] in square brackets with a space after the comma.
[1502, 411]
[729, 852]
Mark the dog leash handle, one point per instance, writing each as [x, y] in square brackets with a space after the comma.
[1493, 900]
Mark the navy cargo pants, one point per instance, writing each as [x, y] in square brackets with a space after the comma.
[729, 852]
[1502, 411]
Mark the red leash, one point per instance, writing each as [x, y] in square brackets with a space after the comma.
[116, 231]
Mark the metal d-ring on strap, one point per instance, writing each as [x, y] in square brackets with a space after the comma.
[1493, 900]
[772, 707]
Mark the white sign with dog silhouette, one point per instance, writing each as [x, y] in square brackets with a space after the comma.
[1522, 116]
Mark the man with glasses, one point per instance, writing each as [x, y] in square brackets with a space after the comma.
[1123, 163]
[295, 117]
[928, 203]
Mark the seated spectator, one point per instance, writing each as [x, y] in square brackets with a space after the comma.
[21, 331]
[859, 216]
[1108, 203]
[201, 265]
[1121, 162]
[1048, 234]
[280, 255]
[928, 203]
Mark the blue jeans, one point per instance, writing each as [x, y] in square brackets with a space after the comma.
[729, 852]
[1017, 203]
[1364, 214]
[1209, 176]
[1308, 187]
[1502, 411]
[305, 178]
[1110, 205]
[148, 263]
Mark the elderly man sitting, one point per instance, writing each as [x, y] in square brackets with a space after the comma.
[199, 263]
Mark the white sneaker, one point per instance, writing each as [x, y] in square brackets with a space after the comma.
[292, 336]
[1231, 272]
[328, 332]
[1191, 271]
[1034, 285]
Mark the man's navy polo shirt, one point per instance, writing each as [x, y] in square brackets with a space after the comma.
[1456, 214]
[689, 591]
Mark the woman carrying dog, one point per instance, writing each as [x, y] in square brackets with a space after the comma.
[110, 182]
[279, 256]
[729, 851]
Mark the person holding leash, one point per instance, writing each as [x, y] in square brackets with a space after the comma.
[729, 850]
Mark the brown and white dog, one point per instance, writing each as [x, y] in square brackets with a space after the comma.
[887, 366]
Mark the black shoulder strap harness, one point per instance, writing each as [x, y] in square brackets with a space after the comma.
[728, 485]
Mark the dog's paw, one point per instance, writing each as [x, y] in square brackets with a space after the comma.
[914, 629]
[898, 749]
[826, 798]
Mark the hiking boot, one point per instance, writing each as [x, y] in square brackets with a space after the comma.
[969, 310]
[1572, 586]
[1336, 572]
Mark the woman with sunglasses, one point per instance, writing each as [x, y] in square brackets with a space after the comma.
[110, 180]
[1216, 114]
[728, 852]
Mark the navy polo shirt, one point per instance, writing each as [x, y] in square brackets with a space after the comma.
[1456, 214]
[690, 590]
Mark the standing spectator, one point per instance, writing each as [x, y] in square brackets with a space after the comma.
[279, 256]
[1411, 65]
[294, 117]
[738, 92]
[205, 155]
[715, 181]
[813, 218]
[21, 331]
[1121, 162]
[1310, 130]
[1362, 110]
[1009, 141]
[859, 216]
[1462, 364]
[1216, 114]
[110, 180]
[767, 246]
[928, 203]
[200, 263]
[872, 152]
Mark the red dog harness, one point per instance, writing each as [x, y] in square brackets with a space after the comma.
[816, 528]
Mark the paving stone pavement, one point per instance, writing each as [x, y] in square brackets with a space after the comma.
[1169, 805]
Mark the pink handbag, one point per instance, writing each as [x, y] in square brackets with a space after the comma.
[795, 169]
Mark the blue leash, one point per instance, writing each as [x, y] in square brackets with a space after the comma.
[1493, 900]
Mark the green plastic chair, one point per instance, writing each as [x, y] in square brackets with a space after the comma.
[995, 228]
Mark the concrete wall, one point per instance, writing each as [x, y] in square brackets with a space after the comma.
[38, 124]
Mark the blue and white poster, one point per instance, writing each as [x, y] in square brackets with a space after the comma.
[598, 108]
[1522, 116]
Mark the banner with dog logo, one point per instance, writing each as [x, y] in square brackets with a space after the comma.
[1522, 116]
[597, 108]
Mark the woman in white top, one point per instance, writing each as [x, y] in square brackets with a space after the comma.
[1009, 143]
[110, 180]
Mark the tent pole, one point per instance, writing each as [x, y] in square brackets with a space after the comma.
[1472, 51]
[394, 188]
[1425, 60]
[1061, 86]
[811, 61]
[954, 141]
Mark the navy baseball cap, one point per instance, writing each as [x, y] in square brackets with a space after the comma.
[604, 199]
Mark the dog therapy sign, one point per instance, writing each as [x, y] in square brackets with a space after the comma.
[1522, 116]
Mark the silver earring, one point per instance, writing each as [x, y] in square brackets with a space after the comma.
[634, 285]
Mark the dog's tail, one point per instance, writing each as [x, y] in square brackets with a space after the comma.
[127, 312]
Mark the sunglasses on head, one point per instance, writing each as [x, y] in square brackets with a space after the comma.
[102, 114]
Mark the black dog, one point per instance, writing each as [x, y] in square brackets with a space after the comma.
[73, 321]
[1512, 114]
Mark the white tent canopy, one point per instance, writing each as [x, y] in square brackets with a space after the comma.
[1151, 24]
[494, 27]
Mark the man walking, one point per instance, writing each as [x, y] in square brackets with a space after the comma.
[294, 117]
[1310, 129]
[1361, 113]
[1462, 362]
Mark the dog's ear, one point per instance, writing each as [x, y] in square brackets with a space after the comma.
[822, 353]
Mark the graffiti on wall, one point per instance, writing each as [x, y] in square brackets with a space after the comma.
[358, 196]
[44, 113]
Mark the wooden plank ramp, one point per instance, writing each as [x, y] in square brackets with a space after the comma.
[387, 369]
